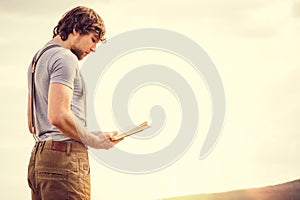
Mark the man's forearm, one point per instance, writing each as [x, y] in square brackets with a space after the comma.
[73, 128]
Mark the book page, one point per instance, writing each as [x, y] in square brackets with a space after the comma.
[134, 130]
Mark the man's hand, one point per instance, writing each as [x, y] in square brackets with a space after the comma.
[103, 140]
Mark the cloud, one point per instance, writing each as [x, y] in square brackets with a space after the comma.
[257, 18]
[27, 25]
[32, 7]
[296, 9]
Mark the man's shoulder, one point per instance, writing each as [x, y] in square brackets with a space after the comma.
[59, 52]
[59, 57]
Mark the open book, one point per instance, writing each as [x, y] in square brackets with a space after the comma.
[136, 129]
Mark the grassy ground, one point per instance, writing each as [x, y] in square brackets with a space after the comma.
[285, 191]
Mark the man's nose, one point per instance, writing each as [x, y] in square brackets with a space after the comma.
[93, 49]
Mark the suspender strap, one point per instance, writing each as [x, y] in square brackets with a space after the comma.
[31, 116]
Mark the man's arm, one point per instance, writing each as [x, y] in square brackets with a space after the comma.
[62, 117]
[59, 110]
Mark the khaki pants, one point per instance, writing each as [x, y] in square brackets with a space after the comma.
[59, 171]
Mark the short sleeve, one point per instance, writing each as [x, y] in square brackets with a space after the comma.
[64, 70]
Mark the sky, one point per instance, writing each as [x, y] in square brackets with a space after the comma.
[254, 45]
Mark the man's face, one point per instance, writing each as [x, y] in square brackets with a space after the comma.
[84, 44]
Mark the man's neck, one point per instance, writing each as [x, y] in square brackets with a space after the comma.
[66, 44]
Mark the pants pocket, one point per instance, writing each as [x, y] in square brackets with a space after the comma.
[52, 184]
[52, 175]
[84, 176]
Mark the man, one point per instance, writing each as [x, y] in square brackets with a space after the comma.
[59, 166]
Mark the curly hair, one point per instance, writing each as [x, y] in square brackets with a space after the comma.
[81, 19]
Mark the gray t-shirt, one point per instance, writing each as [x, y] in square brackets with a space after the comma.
[56, 65]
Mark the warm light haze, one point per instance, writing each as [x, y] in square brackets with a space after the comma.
[255, 46]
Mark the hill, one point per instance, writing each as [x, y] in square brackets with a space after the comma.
[284, 191]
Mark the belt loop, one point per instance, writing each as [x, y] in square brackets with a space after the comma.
[43, 145]
[69, 148]
[35, 137]
[36, 147]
